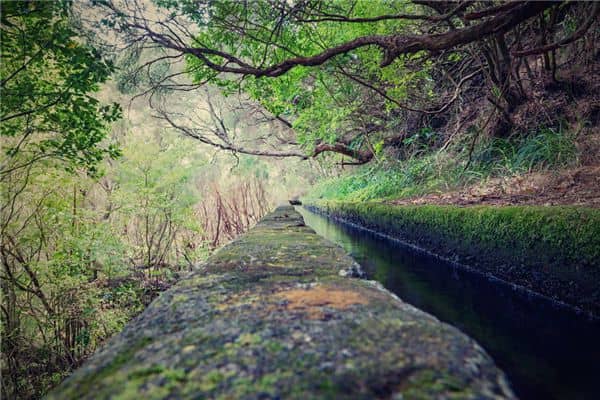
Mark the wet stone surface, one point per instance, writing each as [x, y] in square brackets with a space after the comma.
[270, 316]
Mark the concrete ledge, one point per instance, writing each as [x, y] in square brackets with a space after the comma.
[269, 316]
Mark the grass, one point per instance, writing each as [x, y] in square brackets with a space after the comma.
[439, 171]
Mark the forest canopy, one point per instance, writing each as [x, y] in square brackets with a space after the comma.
[48, 80]
[353, 76]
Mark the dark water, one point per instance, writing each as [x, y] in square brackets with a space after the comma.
[547, 352]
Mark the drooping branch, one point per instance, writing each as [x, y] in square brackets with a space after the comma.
[431, 111]
[220, 135]
[326, 17]
[361, 156]
[491, 11]
[222, 144]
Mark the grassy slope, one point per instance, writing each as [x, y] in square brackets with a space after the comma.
[423, 171]
[562, 235]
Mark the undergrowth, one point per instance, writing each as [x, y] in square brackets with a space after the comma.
[458, 166]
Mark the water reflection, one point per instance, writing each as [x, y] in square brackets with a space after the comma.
[548, 352]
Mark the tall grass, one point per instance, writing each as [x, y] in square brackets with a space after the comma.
[438, 171]
[545, 149]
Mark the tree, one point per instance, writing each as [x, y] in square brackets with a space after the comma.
[47, 78]
[50, 247]
[340, 71]
[155, 197]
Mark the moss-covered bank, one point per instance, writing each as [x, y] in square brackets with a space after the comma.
[553, 250]
[269, 316]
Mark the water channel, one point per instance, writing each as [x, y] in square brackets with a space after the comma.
[547, 351]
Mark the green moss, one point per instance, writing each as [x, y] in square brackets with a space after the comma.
[327, 388]
[122, 358]
[247, 339]
[267, 382]
[175, 375]
[273, 346]
[87, 384]
[211, 381]
[552, 247]
[424, 384]
[558, 235]
[242, 386]
[144, 372]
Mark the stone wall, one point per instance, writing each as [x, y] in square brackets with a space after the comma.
[274, 314]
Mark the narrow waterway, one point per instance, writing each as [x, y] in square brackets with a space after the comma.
[547, 352]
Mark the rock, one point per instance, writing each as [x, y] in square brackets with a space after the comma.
[268, 316]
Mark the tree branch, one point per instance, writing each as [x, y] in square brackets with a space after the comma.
[392, 45]
[578, 34]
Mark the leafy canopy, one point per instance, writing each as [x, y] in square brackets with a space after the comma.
[323, 103]
[48, 78]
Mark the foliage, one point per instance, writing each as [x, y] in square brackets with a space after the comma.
[68, 281]
[57, 256]
[355, 77]
[325, 104]
[48, 77]
[56, 253]
[547, 148]
[432, 171]
[155, 198]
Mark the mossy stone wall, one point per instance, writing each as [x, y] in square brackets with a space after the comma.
[269, 316]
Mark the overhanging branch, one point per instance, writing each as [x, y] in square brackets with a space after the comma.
[392, 46]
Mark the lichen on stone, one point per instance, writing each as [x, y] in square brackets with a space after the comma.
[269, 316]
